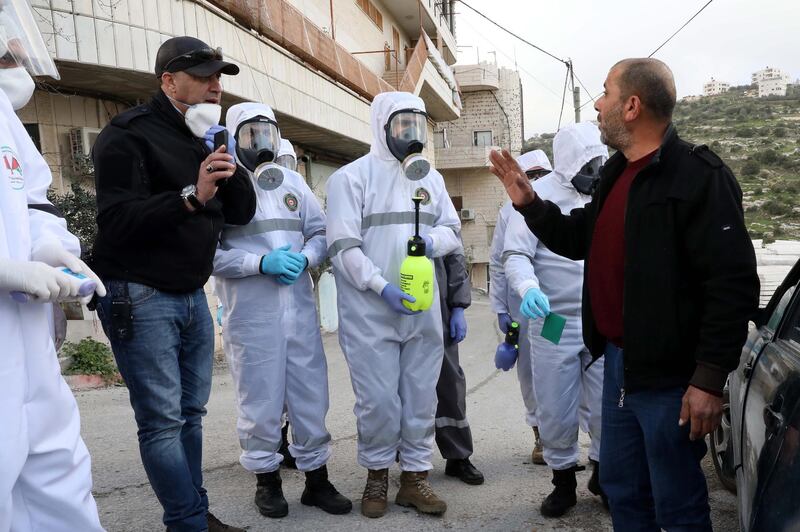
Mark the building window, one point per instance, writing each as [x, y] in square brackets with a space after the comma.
[458, 202]
[439, 139]
[372, 12]
[482, 138]
[33, 132]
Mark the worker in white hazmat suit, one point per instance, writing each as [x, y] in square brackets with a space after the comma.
[505, 303]
[45, 469]
[286, 156]
[394, 355]
[271, 333]
[549, 282]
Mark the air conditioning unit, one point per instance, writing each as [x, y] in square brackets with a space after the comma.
[467, 214]
[81, 140]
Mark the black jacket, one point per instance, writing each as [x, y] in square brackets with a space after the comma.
[690, 282]
[142, 160]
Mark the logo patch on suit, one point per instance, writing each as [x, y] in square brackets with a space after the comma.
[423, 193]
[12, 168]
[290, 200]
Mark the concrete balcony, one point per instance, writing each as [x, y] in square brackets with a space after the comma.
[480, 77]
[434, 22]
[463, 157]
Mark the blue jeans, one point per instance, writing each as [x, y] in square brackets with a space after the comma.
[167, 367]
[650, 470]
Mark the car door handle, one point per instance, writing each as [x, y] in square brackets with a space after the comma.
[773, 419]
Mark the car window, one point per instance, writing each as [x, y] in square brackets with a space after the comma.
[775, 318]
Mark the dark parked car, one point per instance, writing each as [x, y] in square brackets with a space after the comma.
[756, 450]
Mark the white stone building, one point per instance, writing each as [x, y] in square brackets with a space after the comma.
[491, 117]
[714, 87]
[771, 82]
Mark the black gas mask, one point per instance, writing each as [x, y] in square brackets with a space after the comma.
[257, 142]
[587, 178]
[406, 135]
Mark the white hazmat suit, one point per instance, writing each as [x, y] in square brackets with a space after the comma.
[394, 359]
[271, 332]
[45, 469]
[560, 382]
[505, 301]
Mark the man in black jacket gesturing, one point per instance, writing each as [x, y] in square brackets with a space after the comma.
[163, 195]
[670, 283]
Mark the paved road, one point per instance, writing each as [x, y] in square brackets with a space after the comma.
[507, 501]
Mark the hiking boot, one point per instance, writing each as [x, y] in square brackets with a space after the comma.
[288, 459]
[269, 495]
[594, 483]
[416, 491]
[563, 496]
[537, 456]
[320, 492]
[373, 502]
[463, 470]
[215, 525]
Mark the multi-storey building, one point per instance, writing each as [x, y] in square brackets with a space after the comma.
[491, 117]
[714, 87]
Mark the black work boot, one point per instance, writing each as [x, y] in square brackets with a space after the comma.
[463, 469]
[215, 525]
[320, 492]
[288, 459]
[269, 495]
[594, 483]
[563, 497]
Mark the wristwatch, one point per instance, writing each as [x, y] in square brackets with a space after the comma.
[189, 193]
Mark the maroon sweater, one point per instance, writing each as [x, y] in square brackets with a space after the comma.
[607, 256]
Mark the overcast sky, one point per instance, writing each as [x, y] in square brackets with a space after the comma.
[729, 40]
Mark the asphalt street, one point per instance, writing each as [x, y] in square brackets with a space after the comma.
[508, 500]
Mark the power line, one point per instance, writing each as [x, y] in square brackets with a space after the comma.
[563, 97]
[679, 29]
[513, 34]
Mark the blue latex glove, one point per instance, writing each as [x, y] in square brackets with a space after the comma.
[535, 304]
[428, 246]
[394, 297]
[504, 321]
[505, 357]
[458, 324]
[219, 315]
[290, 279]
[208, 138]
[281, 261]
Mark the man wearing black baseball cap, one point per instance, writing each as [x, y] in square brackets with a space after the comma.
[164, 191]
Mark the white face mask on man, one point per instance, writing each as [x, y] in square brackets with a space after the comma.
[18, 86]
[200, 116]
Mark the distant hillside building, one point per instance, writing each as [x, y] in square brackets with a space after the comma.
[714, 87]
[771, 82]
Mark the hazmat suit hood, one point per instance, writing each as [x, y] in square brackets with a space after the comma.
[532, 159]
[245, 111]
[286, 149]
[381, 109]
[574, 146]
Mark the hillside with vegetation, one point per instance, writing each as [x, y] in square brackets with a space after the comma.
[759, 138]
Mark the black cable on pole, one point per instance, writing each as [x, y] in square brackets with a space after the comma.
[679, 29]
[563, 97]
[513, 34]
[584, 87]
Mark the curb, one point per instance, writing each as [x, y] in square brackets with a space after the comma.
[80, 383]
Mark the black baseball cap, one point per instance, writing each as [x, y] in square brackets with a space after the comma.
[192, 56]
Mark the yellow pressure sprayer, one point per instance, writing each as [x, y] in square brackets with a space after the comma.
[416, 272]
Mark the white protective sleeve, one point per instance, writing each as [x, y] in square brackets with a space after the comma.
[519, 251]
[43, 225]
[498, 286]
[445, 234]
[343, 234]
[236, 263]
[313, 218]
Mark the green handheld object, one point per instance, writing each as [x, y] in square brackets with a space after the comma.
[416, 272]
[553, 327]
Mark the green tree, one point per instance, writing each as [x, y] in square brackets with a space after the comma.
[79, 208]
[751, 168]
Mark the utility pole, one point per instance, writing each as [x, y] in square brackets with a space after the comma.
[576, 92]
